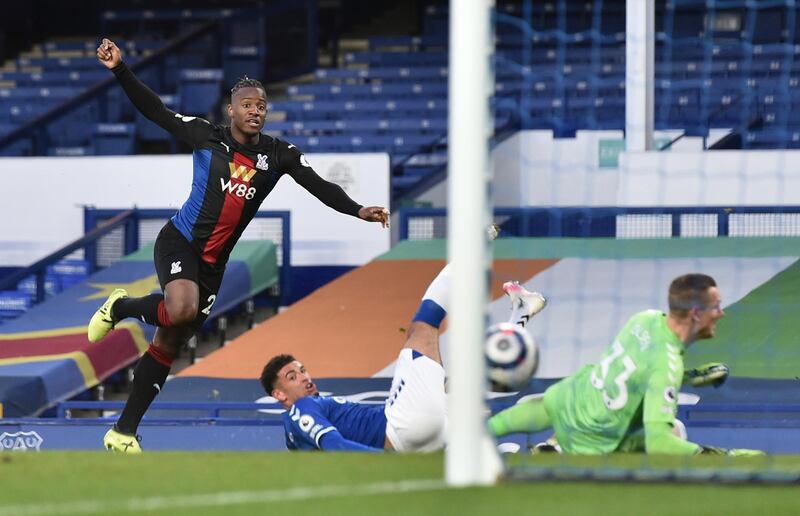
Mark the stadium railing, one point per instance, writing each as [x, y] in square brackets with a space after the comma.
[123, 221]
[619, 222]
[146, 223]
[111, 234]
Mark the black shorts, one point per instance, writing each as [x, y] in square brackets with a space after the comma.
[175, 259]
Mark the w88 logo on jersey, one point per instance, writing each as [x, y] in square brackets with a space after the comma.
[238, 189]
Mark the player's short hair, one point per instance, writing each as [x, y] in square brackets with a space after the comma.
[247, 82]
[689, 291]
[270, 373]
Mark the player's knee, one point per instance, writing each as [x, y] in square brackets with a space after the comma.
[181, 311]
[427, 432]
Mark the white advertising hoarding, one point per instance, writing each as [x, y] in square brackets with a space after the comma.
[42, 200]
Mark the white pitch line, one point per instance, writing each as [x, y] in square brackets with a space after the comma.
[223, 499]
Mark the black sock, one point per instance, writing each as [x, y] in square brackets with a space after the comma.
[143, 308]
[148, 373]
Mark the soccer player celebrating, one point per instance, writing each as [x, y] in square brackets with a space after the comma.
[414, 416]
[628, 400]
[234, 167]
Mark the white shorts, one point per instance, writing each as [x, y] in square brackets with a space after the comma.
[416, 410]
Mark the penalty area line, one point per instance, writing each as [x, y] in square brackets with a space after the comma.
[221, 499]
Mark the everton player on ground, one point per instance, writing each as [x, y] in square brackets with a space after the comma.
[414, 416]
[234, 168]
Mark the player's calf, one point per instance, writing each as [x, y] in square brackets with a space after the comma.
[179, 312]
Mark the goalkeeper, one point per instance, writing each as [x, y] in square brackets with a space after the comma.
[628, 400]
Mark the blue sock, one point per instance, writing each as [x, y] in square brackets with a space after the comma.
[429, 312]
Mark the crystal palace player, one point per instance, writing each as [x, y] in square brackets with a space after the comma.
[235, 168]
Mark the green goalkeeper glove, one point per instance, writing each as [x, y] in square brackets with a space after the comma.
[732, 452]
[714, 373]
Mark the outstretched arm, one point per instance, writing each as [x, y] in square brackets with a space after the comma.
[659, 438]
[332, 195]
[333, 441]
[661, 406]
[192, 130]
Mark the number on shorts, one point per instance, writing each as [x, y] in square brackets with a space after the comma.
[617, 351]
[211, 299]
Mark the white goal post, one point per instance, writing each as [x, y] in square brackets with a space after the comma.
[469, 460]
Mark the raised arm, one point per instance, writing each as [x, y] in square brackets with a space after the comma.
[192, 130]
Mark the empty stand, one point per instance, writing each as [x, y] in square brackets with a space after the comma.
[558, 66]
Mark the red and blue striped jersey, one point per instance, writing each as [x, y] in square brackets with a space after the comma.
[230, 180]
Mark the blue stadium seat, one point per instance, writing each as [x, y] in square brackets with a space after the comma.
[70, 151]
[70, 45]
[117, 106]
[408, 42]
[417, 73]
[400, 127]
[771, 139]
[114, 139]
[69, 272]
[23, 147]
[358, 109]
[75, 127]
[50, 79]
[22, 112]
[325, 91]
[64, 63]
[249, 60]
[34, 93]
[14, 304]
[6, 127]
[199, 91]
[27, 286]
[379, 59]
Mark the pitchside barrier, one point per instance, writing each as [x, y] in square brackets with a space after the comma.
[742, 413]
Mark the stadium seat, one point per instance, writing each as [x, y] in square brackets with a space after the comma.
[70, 151]
[69, 272]
[14, 304]
[23, 147]
[244, 60]
[6, 128]
[114, 139]
[200, 91]
[74, 128]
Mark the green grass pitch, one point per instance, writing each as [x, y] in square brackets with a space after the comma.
[205, 483]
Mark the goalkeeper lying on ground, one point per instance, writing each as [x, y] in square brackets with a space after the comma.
[627, 401]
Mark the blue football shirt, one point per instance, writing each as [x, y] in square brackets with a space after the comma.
[333, 423]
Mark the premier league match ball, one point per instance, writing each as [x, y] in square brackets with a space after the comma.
[511, 357]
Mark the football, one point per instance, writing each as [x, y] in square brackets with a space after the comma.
[511, 357]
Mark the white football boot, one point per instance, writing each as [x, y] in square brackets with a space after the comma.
[524, 304]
